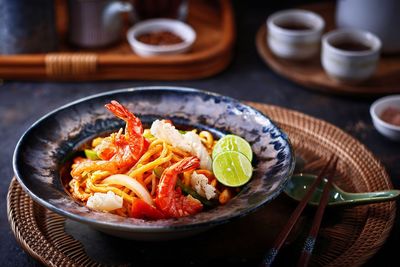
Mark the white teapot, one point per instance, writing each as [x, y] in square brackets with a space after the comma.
[381, 17]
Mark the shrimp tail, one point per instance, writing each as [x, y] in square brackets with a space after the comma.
[124, 114]
[187, 164]
[133, 128]
[118, 110]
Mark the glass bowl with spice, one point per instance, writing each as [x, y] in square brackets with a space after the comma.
[161, 37]
[385, 113]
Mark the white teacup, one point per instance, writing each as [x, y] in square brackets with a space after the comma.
[350, 55]
[295, 33]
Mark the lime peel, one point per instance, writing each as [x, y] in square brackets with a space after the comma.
[232, 142]
[232, 168]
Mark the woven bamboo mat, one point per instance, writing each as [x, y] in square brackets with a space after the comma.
[348, 237]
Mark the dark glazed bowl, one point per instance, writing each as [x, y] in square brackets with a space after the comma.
[45, 146]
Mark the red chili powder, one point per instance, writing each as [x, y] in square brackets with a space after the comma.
[391, 115]
[160, 38]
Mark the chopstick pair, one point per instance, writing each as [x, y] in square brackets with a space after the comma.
[329, 170]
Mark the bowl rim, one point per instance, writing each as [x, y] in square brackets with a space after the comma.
[287, 13]
[373, 39]
[148, 228]
[188, 37]
[383, 102]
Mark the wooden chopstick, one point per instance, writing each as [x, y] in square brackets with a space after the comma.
[282, 236]
[312, 236]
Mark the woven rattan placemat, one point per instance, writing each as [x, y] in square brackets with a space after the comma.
[348, 238]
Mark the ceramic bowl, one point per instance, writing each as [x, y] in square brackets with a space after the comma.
[389, 130]
[291, 43]
[44, 148]
[347, 65]
[177, 27]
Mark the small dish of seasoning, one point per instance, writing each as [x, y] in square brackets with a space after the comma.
[385, 113]
[161, 37]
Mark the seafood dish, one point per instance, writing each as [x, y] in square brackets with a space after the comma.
[158, 173]
[185, 161]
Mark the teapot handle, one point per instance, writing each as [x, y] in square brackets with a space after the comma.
[115, 8]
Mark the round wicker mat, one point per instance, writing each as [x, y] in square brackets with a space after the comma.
[348, 241]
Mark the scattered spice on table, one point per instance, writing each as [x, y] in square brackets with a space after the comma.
[160, 38]
[391, 115]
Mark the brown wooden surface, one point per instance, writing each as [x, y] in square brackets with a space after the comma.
[213, 22]
[311, 74]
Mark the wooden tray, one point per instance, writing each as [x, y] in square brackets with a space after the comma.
[310, 74]
[212, 52]
[348, 237]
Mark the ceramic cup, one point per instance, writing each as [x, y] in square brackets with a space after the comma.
[350, 55]
[295, 34]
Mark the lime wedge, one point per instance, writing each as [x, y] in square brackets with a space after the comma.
[232, 142]
[232, 168]
[91, 154]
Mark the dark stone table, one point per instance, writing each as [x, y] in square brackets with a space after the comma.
[247, 78]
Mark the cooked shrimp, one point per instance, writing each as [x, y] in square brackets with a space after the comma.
[133, 128]
[120, 151]
[170, 200]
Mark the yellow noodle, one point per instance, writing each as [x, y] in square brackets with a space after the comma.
[78, 192]
[156, 142]
[127, 190]
[176, 158]
[150, 166]
[97, 141]
[153, 185]
[187, 177]
[153, 164]
[158, 154]
[207, 138]
[104, 188]
[178, 151]
[152, 151]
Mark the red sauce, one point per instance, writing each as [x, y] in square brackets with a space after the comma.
[160, 38]
[391, 115]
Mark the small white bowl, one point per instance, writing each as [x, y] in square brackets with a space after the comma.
[346, 65]
[177, 27]
[389, 130]
[294, 43]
